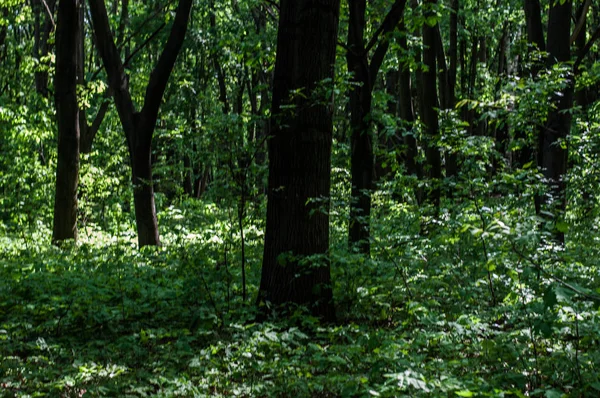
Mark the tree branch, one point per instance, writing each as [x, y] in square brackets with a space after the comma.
[160, 75]
[586, 50]
[391, 21]
[581, 21]
[117, 80]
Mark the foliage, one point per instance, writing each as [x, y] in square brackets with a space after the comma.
[474, 299]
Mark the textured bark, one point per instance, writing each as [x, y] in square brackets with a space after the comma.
[552, 156]
[67, 112]
[139, 126]
[295, 270]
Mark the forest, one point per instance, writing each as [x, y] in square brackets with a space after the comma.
[299, 198]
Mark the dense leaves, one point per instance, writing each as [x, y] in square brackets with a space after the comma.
[474, 298]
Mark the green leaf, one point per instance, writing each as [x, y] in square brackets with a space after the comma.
[562, 226]
[464, 393]
[550, 299]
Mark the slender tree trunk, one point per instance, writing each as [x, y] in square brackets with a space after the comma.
[430, 116]
[43, 25]
[451, 156]
[361, 139]
[406, 112]
[552, 152]
[295, 268]
[139, 126]
[67, 112]
[536, 41]
[364, 74]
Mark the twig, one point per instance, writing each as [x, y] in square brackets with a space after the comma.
[49, 14]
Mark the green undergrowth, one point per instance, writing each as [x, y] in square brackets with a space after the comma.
[475, 306]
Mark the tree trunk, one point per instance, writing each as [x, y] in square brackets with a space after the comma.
[67, 112]
[139, 126]
[451, 156]
[295, 268]
[552, 155]
[361, 140]
[43, 26]
[535, 39]
[430, 116]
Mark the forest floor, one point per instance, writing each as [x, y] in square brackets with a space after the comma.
[476, 307]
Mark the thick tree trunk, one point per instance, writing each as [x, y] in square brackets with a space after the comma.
[295, 268]
[553, 154]
[67, 112]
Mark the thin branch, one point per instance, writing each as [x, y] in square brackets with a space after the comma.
[586, 50]
[581, 21]
[390, 23]
[49, 14]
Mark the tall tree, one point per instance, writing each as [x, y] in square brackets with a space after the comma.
[67, 113]
[552, 151]
[430, 102]
[139, 126]
[364, 70]
[43, 25]
[295, 269]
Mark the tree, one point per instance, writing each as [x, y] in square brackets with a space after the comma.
[67, 114]
[430, 103]
[139, 126]
[552, 150]
[364, 72]
[295, 268]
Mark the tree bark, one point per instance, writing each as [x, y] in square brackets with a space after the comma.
[43, 25]
[364, 74]
[139, 126]
[553, 154]
[406, 112]
[536, 41]
[67, 112]
[430, 116]
[295, 268]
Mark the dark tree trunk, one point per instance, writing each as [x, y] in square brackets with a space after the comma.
[87, 132]
[535, 38]
[406, 113]
[430, 116]
[139, 126]
[43, 25]
[451, 156]
[535, 29]
[295, 270]
[361, 140]
[67, 112]
[552, 157]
